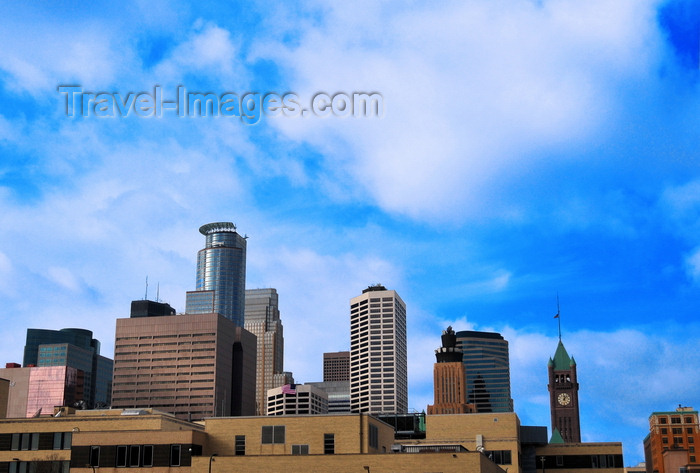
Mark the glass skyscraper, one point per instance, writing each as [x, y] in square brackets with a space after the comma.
[220, 284]
[73, 347]
[487, 368]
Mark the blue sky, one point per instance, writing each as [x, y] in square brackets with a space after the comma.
[527, 148]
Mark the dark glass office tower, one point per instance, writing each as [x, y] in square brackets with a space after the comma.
[75, 348]
[487, 368]
[220, 274]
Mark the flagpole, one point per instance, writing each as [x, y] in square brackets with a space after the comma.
[558, 317]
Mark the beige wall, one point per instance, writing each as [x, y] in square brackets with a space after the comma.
[351, 434]
[18, 390]
[471, 462]
[499, 430]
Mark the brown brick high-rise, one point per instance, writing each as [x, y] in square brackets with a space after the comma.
[449, 380]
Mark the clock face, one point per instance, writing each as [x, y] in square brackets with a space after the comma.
[564, 399]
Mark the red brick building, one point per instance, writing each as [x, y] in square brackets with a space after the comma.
[672, 440]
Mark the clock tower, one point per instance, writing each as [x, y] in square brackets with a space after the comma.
[563, 396]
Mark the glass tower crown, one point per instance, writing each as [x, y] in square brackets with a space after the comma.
[220, 283]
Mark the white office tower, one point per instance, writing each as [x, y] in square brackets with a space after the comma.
[378, 367]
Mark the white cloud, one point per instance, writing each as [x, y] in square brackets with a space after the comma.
[64, 278]
[208, 50]
[471, 104]
[5, 263]
[315, 291]
[56, 55]
[693, 265]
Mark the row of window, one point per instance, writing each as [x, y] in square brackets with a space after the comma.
[36, 467]
[275, 434]
[154, 337]
[677, 430]
[36, 441]
[676, 420]
[580, 461]
[134, 456]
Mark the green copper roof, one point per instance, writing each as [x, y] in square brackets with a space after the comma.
[561, 358]
[556, 436]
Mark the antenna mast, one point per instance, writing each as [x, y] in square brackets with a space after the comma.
[145, 298]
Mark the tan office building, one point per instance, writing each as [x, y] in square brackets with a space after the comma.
[193, 365]
[378, 356]
[262, 319]
[145, 440]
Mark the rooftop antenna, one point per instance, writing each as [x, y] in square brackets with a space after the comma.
[558, 316]
[145, 298]
[158, 292]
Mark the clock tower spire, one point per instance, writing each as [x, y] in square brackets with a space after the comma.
[563, 395]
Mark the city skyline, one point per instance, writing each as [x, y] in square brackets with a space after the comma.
[525, 150]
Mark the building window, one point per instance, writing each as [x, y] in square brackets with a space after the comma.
[95, 456]
[560, 460]
[25, 442]
[135, 455]
[373, 436]
[300, 449]
[148, 455]
[62, 440]
[688, 420]
[664, 430]
[664, 440]
[329, 444]
[272, 434]
[663, 420]
[692, 459]
[677, 430]
[691, 439]
[175, 455]
[240, 445]
[503, 457]
[121, 456]
[675, 420]
[688, 430]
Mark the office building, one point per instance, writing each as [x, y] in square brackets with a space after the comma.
[672, 440]
[262, 319]
[378, 366]
[580, 457]
[192, 366]
[338, 395]
[487, 370]
[563, 396]
[78, 337]
[295, 399]
[77, 349]
[449, 381]
[35, 391]
[147, 440]
[221, 266]
[521, 449]
[336, 366]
